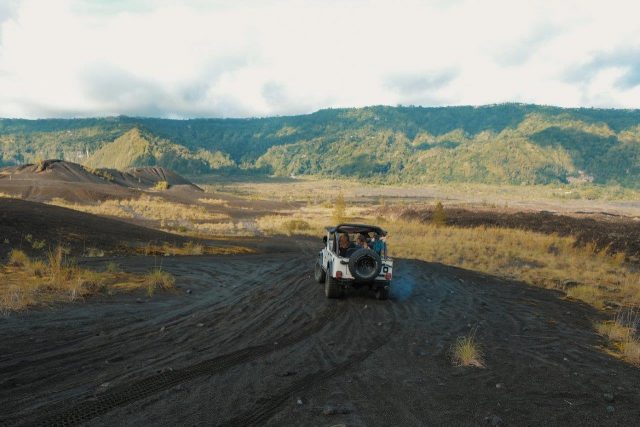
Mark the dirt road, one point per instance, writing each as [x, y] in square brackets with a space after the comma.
[251, 340]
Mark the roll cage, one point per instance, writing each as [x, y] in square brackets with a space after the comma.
[334, 232]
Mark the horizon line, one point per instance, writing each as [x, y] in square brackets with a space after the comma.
[520, 104]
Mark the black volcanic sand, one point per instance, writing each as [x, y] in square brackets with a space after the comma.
[251, 340]
[72, 229]
[610, 232]
[79, 231]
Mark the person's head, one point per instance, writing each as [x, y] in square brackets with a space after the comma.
[343, 241]
[376, 236]
[360, 240]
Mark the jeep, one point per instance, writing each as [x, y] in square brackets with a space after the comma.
[341, 266]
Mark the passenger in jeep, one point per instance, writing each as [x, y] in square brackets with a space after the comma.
[361, 241]
[343, 244]
[378, 245]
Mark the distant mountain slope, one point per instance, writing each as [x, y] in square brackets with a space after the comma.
[138, 148]
[508, 143]
[130, 149]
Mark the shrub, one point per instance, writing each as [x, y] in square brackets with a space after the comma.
[56, 259]
[622, 331]
[339, 209]
[37, 268]
[18, 258]
[59, 273]
[12, 298]
[587, 293]
[112, 267]
[631, 351]
[615, 331]
[161, 185]
[38, 244]
[158, 279]
[94, 253]
[439, 216]
[466, 352]
[91, 280]
[296, 225]
[193, 248]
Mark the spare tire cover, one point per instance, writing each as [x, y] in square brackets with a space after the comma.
[365, 265]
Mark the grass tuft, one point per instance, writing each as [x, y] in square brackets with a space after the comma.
[35, 282]
[295, 225]
[466, 352]
[630, 350]
[439, 217]
[622, 331]
[37, 268]
[158, 278]
[615, 330]
[112, 267]
[589, 294]
[18, 258]
[191, 248]
[161, 185]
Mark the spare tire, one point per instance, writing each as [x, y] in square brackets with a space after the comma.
[365, 265]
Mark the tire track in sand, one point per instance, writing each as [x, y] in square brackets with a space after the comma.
[125, 394]
[269, 407]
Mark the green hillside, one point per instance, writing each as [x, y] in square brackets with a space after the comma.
[139, 148]
[507, 143]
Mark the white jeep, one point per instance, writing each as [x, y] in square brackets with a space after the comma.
[341, 266]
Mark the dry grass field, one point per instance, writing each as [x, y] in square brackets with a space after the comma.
[26, 282]
[147, 208]
[559, 198]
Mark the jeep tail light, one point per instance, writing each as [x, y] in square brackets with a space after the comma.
[387, 276]
[338, 274]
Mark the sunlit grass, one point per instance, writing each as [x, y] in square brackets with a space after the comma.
[213, 202]
[623, 332]
[161, 186]
[466, 352]
[190, 248]
[32, 282]
[159, 279]
[18, 258]
[149, 208]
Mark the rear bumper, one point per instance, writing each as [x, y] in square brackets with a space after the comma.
[374, 284]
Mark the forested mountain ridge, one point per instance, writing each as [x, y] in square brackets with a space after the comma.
[505, 143]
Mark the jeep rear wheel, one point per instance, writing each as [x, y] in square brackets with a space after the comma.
[318, 273]
[331, 287]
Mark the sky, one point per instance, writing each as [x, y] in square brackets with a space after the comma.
[196, 58]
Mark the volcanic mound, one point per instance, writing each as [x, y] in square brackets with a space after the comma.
[50, 179]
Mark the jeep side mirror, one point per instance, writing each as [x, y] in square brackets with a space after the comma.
[324, 240]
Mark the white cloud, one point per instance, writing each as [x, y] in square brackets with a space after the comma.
[246, 58]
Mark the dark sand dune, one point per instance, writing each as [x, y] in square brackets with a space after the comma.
[73, 229]
[255, 342]
[51, 170]
[73, 182]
